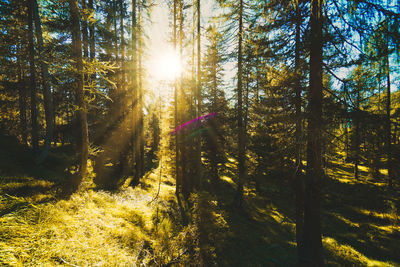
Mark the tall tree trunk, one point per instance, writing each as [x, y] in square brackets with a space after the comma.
[357, 133]
[47, 96]
[77, 49]
[177, 155]
[299, 183]
[122, 48]
[388, 122]
[140, 88]
[241, 133]
[34, 131]
[199, 100]
[312, 242]
[92, 47]
[346, 127]
[85, 36]
[214, 141]
[22, 97]
[187, 183]
[178, 152]
[135, 148]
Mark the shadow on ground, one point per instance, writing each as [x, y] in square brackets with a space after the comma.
[361, 222]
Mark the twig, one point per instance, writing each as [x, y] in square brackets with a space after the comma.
[159, 183]
[68, 263]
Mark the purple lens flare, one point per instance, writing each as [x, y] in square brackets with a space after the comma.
[192, 122]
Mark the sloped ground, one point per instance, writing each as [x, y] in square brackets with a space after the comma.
[143, 227]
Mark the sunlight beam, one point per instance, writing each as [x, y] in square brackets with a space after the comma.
[165, 66]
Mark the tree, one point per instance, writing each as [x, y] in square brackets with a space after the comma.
[82, 111]
[241, 133]
[215, 103]
[47, 96]
[312, 241]
[34, 129]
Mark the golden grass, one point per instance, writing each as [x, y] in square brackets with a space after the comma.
[89, 229]
[92, 228]
[346, 255]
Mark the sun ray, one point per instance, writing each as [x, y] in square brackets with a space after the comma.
[165, 65]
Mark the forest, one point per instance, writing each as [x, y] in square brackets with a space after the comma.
[199, 133]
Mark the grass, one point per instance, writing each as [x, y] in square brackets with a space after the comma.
[142, 225]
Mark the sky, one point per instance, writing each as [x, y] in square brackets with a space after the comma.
[160, 32]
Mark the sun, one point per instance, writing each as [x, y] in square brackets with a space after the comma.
[166, 65]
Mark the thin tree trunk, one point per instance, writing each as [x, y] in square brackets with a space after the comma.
[85, 31]
[388, 122]
[34, 131]
[135, 157]
[22, 97]
[177, 154]
[357, 134]
[178, 158]
[92, 47]
[47, 96]
[199, 100]
[214, 141]
[187, 183]
[312, 242]
[299, 183]
[241, 145]
[141, 115]
[122, 48]
[77, 49]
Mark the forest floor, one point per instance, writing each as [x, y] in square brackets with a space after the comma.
[141, 226]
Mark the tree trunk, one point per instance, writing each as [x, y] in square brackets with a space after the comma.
[140, 88]
[312, 243]
[92, 47]
[299, 183]
[21, 97]
[135, 147]
[34, 131]
[177, 154]
[77, 49]
[85, 36]
[388, 123]
[122, 48]
[241, 145]
[47, 96]
[214, 135]
[199, 100]
[187, 183]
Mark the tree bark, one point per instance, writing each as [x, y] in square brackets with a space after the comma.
[140, 102]
[77, 49]
[47, 95]
[357, 133]
[22, 98]
[92, 47]
[85, 36]
[187, 183]
[299, 182]
[388, 122]
[312, 242]
[199, 100]
[34, 122]
[122, 48]
[177, 155]
[241, 145]
[135, 147]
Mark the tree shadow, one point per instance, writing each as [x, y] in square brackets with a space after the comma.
[364, 215]
[259, 233]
